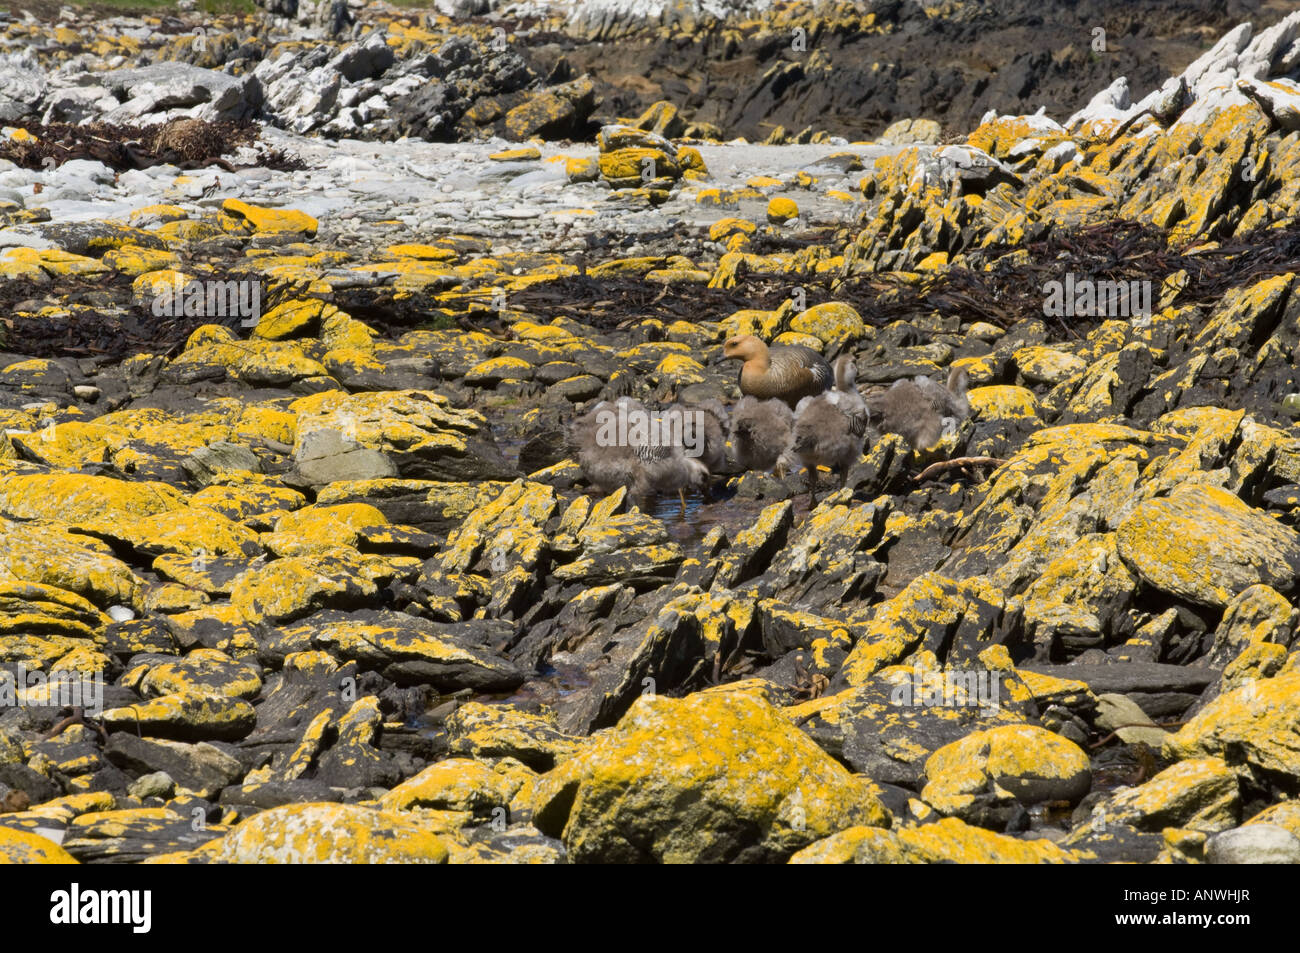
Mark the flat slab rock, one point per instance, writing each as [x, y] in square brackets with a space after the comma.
[1125, 677]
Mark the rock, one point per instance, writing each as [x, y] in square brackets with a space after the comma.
[1203, 544]
[131, 835]
[152, 92]
[1126, 678]
[888, 727]
[186, 716]
[418, 430]
[781, 210]
[333, 834]
[200, 768]
[981, 776]
[1123, 716]
[328, 456]
[411, 650]
[1257, 615]
[559, 112]
[946, 841]
[355, 758]
[202, 670]
[1250, 725]
[500, 731]
[642, 791]
[159, 784]
[20, 847]
[457, 784]
[206, 463]
[1254, 844]
[932, 612]
[911, 130]
[364, 59]
[24, 85]
[1201, 794]
[263, 795]
[288, 588]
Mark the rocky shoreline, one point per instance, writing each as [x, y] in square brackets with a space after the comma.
[297, 559]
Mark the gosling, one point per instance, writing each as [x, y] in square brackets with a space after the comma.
[712, 422]
[761, 432]
[830, 429]
[788, 372]
[668, 464]
[921, 411]
[607, 465]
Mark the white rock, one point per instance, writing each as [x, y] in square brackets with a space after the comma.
[1254, 844]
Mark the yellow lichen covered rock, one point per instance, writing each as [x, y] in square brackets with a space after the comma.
[78, 500]
[829, 321]
[1252, 726]
[654, 788]
[1003, 402]
[333, 834]
[240, 215]
[80, 564]
[987, 771]
[287, 588]
[930, 604]
[1204, 544]
[21, 847]
[186, 716]
[1200, 794]
[494, 731]
[781, 210]
[948, 841]
[456, 784]
[202, 670]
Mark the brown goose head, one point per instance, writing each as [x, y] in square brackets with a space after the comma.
[745, 347]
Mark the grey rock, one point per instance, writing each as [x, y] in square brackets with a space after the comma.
[22, 84]
[200, 768]
[157, 784]
[1125, 677]
[1254, 844]
[205, 463]
[364, 60]
[328, 456]
[1118, 713]
[159, 87]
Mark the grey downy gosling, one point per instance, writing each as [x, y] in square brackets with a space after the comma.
[761, 432]
[607, 465]
[920, 410]
[622, 443]
[830, 429]
[670, 457]
[713, 420]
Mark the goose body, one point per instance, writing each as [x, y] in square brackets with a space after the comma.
[787, 372]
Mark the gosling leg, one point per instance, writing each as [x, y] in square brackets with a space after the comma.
[681, 496]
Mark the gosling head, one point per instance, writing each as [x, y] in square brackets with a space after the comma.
[846, 372]
[746, 347]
